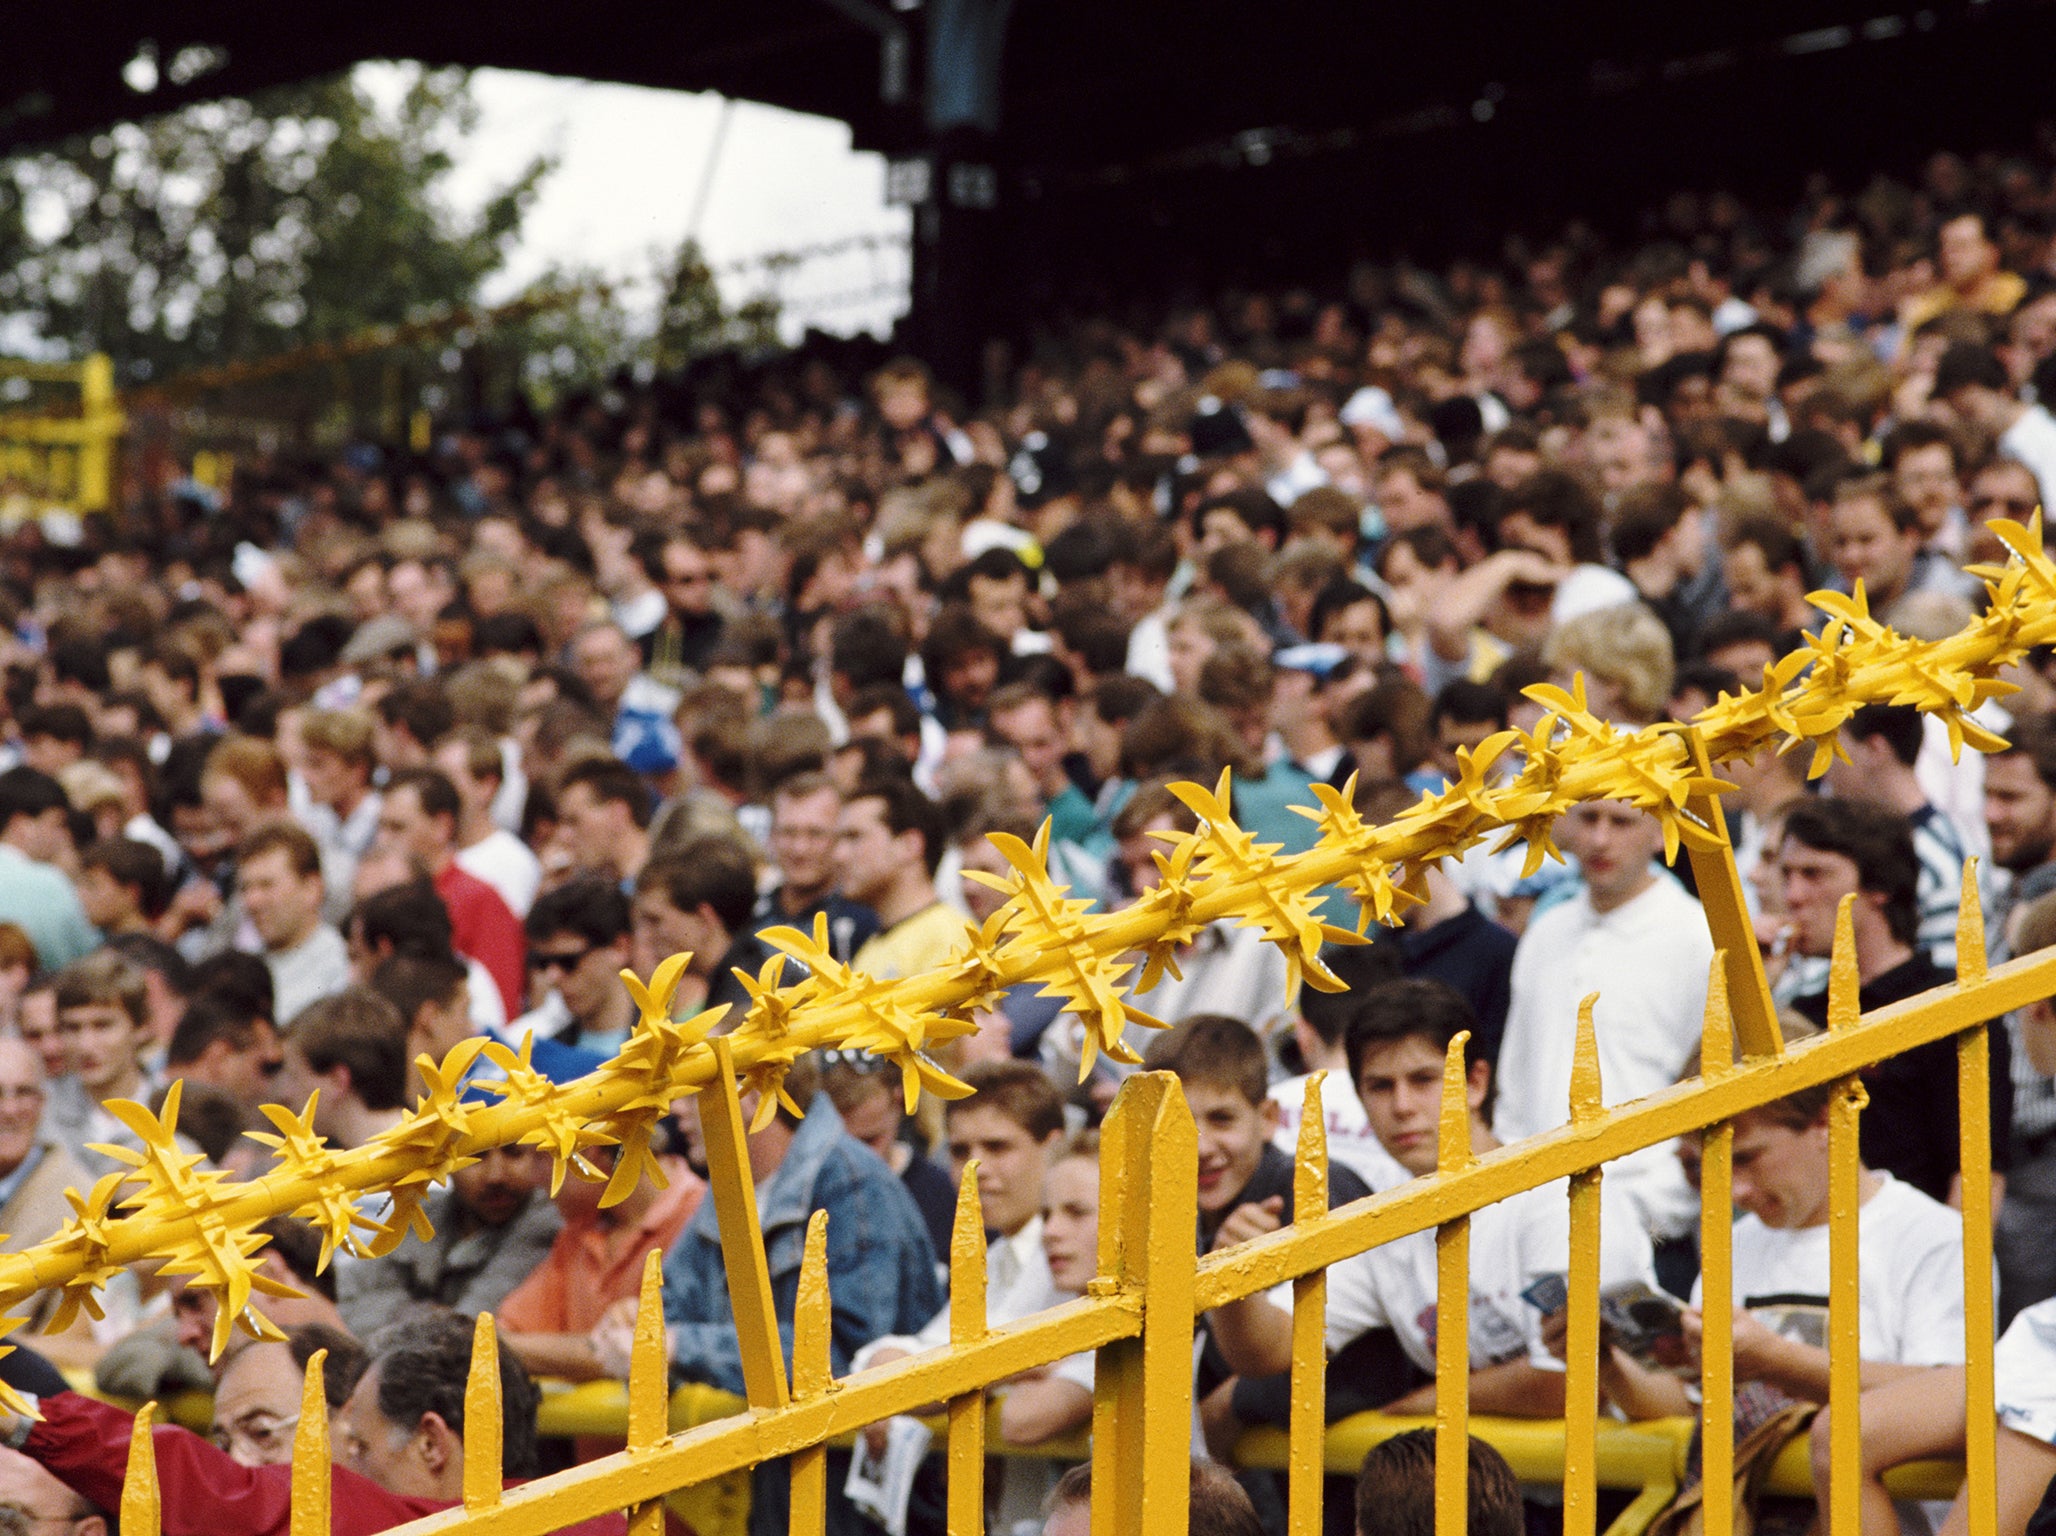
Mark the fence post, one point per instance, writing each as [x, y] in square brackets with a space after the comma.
[312, 1466]
[1845, 1201]
[1307, 1421]
[1581, 1376]
[967, 1261]
[1755, 1017]
[484, 1419]
[1453, 1308]
[1142, 1387]
[142, 1502]
[1974, 1125]
[100, 421]
[734, 1193]
[812, 1374]
[1717, 1267]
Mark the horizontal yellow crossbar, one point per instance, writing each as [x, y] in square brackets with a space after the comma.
[1629, 1456]
[1317, 1241]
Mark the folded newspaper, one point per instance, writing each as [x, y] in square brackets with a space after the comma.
[1644, 1321]
[1648, 1324]
[880, 1485]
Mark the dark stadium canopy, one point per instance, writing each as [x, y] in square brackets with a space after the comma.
[1196, 138]
[1097, 84]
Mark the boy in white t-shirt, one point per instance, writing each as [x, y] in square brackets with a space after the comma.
[1910, 1317]
[1396, 1045]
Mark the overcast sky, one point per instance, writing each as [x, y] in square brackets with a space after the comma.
[630, 166]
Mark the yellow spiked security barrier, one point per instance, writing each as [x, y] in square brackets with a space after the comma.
[1139, 1314]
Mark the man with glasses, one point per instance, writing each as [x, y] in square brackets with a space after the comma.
[579, 942]
[257, 1398]
[398, 1444]
[33, 1503]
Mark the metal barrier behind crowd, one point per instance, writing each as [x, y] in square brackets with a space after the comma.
[59, 455]
[1139, 1314]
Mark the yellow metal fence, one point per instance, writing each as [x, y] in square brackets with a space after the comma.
[61, 457]
[1649, 1458]
[1138, 1315]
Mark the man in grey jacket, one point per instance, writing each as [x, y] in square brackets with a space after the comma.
[493, 1225]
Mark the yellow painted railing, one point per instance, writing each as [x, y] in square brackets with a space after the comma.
[1649, 1459]
[1139, 1314]
[62, 459]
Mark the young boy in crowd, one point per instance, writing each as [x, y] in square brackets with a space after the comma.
[103, 1020]
[1245, 1190]
[1010, 1128]
[1910, 1257]
[1397, 1044]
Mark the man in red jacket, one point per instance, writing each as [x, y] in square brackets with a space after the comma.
[399, 1446]
[418, 818]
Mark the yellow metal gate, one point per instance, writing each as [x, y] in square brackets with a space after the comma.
[1138, 1315]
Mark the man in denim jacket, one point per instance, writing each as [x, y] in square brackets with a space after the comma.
[881, 1268]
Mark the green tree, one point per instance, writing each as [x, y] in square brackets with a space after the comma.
[693, 320]
[239, 228]
[578, 336]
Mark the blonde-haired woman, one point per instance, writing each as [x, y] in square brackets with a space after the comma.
[1626, 656]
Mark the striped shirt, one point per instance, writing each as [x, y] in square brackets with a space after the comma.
[1939, 893]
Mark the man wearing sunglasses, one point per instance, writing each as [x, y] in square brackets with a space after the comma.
[1999, 488]
[579, 942]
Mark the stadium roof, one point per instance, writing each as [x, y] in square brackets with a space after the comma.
[1095, 88]
[1145, 147]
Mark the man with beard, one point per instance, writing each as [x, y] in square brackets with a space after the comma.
[2020, 812]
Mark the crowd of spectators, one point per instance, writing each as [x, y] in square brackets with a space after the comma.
[321, 773]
